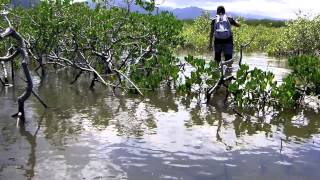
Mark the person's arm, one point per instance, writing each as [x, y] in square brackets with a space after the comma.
[234, 22]
[211, 35]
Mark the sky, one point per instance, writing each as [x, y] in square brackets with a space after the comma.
[283, 9]
[273, 8]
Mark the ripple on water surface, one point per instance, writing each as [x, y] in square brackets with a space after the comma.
[93, 135]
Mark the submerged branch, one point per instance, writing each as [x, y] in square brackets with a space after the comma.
[22, 50]
[129, 81]
[9, 57]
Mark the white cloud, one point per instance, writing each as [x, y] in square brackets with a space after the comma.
[272, 8]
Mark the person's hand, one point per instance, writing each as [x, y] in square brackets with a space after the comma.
[210, 47]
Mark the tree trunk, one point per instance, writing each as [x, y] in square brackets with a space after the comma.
[10, 32]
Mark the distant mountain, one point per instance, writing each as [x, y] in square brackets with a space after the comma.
[184, 13]
[194, 12]
[90, 4]
[24, 3]
[187, 13]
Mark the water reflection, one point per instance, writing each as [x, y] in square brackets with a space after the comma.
[32, 140]
[88, 134]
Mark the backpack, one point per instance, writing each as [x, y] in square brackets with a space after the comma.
[222, 27]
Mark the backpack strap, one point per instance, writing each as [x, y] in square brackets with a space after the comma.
[221, 18]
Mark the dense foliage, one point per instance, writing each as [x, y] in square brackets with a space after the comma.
[306, 71]
[265, 22]
[196, 34]
[115, 45]
[131, 51]
[300, 36]
[203, 75]
[255, 89]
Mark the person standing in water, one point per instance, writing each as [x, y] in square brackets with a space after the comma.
[221, 31]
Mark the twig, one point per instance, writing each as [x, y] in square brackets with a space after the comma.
[237, 112]
[39, 99]
[129, 81]
[245, 46]
[77, 77]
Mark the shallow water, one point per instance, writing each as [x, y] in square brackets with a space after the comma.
[277, 66]
[96, 134]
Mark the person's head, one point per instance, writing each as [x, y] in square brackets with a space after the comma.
[221, 10]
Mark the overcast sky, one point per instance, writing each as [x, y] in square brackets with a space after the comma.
[272, 8]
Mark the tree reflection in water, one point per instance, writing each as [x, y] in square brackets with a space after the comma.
[78, 111]
[32, 140]
[131, 115]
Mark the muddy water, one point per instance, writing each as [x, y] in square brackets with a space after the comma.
[96, 134]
